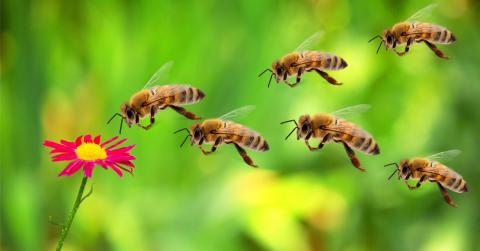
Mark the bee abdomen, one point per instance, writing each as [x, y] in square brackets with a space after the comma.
[256, 143]
[189, 95]
[456, 184]
[443, 37]
[366, 145]
[334, 63]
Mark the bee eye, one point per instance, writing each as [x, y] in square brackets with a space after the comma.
[129, 113]
[305, 127]
[389, 38]
[279, 70]
[197, 133]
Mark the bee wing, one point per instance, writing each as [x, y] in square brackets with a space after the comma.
[162, 92]
[231, 128]
[445, 155]
[348, 128]
[160, 75]
[238, 113]
[351, 110]
[424, 12]
[310, 41]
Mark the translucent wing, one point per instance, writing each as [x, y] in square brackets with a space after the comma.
[163, 92]
[232, 128]
[310, 42]
[160, 75]
[426, 11]
[238, 113]
[345, 127]
[351, 110]
[445, 155]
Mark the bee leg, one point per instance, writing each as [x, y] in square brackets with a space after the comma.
[218, 141]
[153, 111]
[244, 155]
[434, 48]
[419, 183]
[320, 145]
[407, 47]
[299, 77]
[327, 77]
[353, 158]
[184, 112]
[446, 196]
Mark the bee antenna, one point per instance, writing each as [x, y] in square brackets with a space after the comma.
[291, 120]
[394, 172]
[121, 124]
[121, 121]
[295, 128]
[183, 129]
[391, 164]
[264, 72]
[380, 45]
[114, 115]
[269, 81]
[188, 135]
[373, 38]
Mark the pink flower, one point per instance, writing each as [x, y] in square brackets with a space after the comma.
[88, 153]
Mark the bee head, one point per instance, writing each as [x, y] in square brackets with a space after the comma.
[129, 114]
[304, 127]
[278, 70]
[404, 169]
[388, 39]
[196, 134]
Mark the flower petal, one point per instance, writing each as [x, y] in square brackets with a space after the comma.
[116, 169]
[116, 144]
[72, 165]
[96, 140]
[54, 145]
[88, 168]
[74, 169]
[120, 158]
[78, 141]
[87, 138]
[121, 150]
[64, 156]
[68, 144]
[109, 141]
[126, 163]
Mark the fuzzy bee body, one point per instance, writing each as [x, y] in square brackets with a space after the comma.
[224, 131]
[411, 31]
[330, 128]
[429, 169]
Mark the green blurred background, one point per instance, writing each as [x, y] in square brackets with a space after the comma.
[67, 66]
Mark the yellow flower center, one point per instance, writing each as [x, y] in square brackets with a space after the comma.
[90, 151]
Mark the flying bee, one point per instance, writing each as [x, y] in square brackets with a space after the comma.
[411, 31]
[303, 60]
[429, 169]
[153, 98]
[329, 127]
[223, 130]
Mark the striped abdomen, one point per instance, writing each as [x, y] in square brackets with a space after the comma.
[244, 137]
[447, 178]
[433, 33]
[355, 137]
[179, 94]
[322, 61]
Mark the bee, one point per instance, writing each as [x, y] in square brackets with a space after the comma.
[328, 127]
[223, 130]
[302, 60]
[411, 31]
[429, 169]
[153, 98]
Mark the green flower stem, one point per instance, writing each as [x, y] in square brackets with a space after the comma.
[67, 225]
